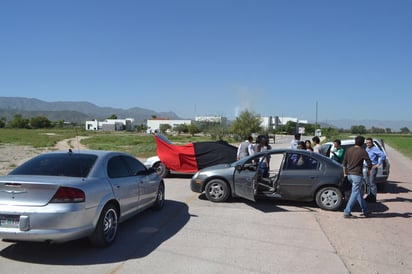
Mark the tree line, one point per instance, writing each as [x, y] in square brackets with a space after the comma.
[245, 124]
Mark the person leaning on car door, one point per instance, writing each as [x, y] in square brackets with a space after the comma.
[377, 158]
[245, 148]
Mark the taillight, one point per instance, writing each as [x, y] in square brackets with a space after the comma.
[68, 195]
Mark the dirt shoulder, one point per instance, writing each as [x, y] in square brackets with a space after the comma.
[14, 155]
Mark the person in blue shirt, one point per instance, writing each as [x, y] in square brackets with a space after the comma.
[377, 158]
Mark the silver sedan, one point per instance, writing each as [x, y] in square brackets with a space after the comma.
[67, 195]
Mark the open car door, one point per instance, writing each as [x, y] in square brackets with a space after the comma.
[245, 178]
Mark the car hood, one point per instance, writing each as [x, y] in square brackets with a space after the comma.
[215, 167]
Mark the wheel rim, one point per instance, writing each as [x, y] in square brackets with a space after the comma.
[216, 191]
[110, 225]
[329, 198]
[160, 195]
[159, 169]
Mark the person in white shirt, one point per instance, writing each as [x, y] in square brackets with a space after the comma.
[245, 148]
[294, 142]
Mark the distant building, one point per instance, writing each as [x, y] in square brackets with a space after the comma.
[153, 125]
[270, 122]
[211, 119]
[110, 124]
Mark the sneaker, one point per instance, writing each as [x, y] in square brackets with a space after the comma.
[365, 215]
[348, 216]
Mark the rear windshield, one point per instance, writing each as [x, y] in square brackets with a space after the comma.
[64, 164]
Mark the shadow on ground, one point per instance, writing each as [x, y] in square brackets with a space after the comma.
[136, 238]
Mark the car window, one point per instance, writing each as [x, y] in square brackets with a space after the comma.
[118, 168]
[299, 161]
[135, 166]
[64, 164]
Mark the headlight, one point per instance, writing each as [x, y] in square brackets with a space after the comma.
[196, 175]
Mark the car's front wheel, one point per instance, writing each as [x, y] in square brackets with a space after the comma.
[161, 169]
[217, 191]
[160, 197]
[106, 229]
[329, 198]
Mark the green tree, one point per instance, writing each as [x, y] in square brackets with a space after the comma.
[377, 130]
[405, 130]
[246, 123]
[19, 122]
[181, 128]
[2, 122]
[164, 127]
[113, 116]
[40, 122]
[193, 129]
[360, 129]
[290, 127]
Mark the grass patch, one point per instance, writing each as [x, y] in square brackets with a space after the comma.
[36, 137]
[400, 142]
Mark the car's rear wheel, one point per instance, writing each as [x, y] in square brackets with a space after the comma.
[161, 169]
[160, 197]
[106, 229]
[217, 191]
[329, 198]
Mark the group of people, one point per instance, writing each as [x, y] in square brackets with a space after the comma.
[248, 148]
[314, 146]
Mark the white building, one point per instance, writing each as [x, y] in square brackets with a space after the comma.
[270, 122]
[153, 125]
[110, 124]
[212, 118]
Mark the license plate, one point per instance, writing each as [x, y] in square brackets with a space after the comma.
[9, 220]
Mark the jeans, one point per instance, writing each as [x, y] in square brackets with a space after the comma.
[371, 181]
[356, 194]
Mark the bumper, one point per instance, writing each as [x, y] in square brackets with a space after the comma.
[196, 186]
[52, 225]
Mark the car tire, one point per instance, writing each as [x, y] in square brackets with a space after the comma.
[217, 191]
[106, 228]
[161, 169]
[329, 198]
[160, 197]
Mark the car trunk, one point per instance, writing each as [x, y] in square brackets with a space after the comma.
[24, 191]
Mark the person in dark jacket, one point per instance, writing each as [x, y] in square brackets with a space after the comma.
[352, 168]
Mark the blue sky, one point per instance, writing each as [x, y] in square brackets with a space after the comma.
[353, 58]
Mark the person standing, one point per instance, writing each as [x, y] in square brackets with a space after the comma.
[316, 145]
[294, 142]
[263, 145]
[244, 148]
[377, 158]
[337, 152]
[352, 168]
[308, 145]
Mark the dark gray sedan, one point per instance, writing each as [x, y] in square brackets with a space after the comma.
[65, 195]
[286, 174]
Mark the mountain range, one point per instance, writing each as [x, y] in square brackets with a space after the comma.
[79, 112]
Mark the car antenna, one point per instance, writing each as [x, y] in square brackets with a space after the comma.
[77, 140]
